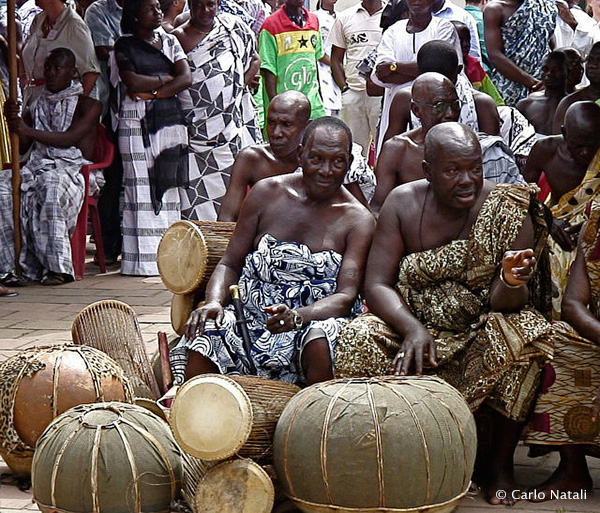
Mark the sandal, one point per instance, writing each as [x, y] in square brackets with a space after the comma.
[6, 292]
[51, 278]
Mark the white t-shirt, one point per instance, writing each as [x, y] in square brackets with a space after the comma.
[356, 31]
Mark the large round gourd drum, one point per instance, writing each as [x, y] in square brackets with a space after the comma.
[39, 384]
[376, 444]
[106, 457]
[214, 417]
[189, 251]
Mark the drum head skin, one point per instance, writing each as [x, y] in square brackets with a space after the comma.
[238, 486]
[211, 417]
[177, 257]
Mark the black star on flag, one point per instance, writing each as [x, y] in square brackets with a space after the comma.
[303, 42]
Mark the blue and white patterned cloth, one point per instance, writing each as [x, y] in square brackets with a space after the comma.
[277, 272]
[526, 38]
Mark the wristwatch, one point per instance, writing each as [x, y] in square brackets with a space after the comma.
[393, 66]
[298, 320]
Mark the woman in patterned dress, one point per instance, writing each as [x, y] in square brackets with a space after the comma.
[218, 107]
[152, 135]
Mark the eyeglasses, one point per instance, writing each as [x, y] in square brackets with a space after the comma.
[441, 107]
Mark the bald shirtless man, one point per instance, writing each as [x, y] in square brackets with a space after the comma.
[287, 117]
[434, 101]
[479, 109]
[589, 93]
[539, 107]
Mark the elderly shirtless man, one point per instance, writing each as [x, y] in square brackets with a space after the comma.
[451, 284]
[298, 255]
[573, 174]
[434, 100]
[287, 117]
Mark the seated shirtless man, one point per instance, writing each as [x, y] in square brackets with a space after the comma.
[61, 129]
[286, 121]
[298, 253]
[287, 117]
[478, 110]
[540, 106]
[573, 174]
[453, 289]
[434, 100]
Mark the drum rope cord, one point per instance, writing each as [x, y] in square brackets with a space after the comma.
[378, 445]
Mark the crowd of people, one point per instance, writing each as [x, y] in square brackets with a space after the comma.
[381, 165]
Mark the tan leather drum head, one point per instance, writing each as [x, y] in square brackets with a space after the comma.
[238, 486]
[211, 417]
[182, 257]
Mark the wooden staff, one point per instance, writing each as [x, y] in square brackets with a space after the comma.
[13, 75]
[241, 324]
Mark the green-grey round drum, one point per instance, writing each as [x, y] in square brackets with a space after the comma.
[376, 444]
[106, 458]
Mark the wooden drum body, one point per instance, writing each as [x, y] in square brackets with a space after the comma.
[376, 444]
[188, 253]
[214, 417]
[41, 383]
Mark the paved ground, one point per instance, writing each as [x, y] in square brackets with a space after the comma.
[43, 315]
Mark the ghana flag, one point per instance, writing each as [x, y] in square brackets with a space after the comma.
[291, 54]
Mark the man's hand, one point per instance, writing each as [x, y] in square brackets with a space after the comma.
[517, 266]
[417, 346]
[384, 69]
[195, 324]
[537, 85]
[13, 119]
[281, 318]
[564, 234]
[566, 15]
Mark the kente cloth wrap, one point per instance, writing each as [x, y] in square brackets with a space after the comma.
[276, 272]
[153, 144]
[526, 38]
[563, 411]
[570, 207]
[219, 113]
[488, 356]
[52, 189]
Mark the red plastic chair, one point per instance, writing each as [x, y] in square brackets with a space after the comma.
[103, 157]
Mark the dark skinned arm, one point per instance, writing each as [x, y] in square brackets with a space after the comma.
[86, 117]
[173, 85]
[270, 83]
[534, 167]
[354, 189]
[253, 70]
[405, 72]
[239, 181]
[492, 17]
[103, 52]
[517, 267]
[384, 301]
[385, 171]
[576, 300]
[399, 114]
[337, 66]
[487, 113]
[88, 81]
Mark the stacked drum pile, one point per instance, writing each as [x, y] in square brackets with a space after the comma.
[226, 424]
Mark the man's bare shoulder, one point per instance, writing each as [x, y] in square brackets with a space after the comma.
[546, 147]
[407, 199]
[255, 153]
[86, 104]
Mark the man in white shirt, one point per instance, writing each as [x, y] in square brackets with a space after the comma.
[447, 10]
[355, 33]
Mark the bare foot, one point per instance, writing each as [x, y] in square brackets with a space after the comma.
[6, 292]
[561, 482]
[501, 490]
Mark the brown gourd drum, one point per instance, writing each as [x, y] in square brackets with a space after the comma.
[182, 306]
[106, 457]
[214, 417]
[188, 253]
[395, 444]
[39, 384]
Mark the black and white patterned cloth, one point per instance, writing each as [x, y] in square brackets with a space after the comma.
[277, 272]
[214, 106]
[52, 189]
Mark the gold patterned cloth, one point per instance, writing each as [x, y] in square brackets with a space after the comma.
[488, 356]
[563, 411]
[571, 207]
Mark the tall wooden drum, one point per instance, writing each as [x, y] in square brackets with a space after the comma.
[214, 417]
[39, 384]
[189, 251]
[376, 444]
[106, 457]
